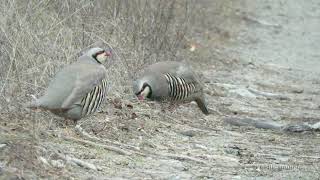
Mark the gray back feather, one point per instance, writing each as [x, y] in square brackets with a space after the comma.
[174, 68]
[177, 69]
[72, 83]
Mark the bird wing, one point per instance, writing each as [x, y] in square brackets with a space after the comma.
[186, 73]
[86, 79]
[174, 68]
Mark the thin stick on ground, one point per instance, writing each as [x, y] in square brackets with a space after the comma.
[86, 135]
[107, 147]
[179, 157]
[77, 161]
[183, 158]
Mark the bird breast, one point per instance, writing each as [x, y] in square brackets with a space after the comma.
[92, 101]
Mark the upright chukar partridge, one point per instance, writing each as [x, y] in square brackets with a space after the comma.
[170, 80]
[78, 89]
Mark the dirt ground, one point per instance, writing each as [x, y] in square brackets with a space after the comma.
[261, 62]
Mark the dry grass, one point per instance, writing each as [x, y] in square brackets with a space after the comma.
[39, 37]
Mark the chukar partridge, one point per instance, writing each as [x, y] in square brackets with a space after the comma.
[170, 80]
[78, 89]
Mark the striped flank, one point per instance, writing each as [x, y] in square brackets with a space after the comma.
[92, 101]
[179, 89]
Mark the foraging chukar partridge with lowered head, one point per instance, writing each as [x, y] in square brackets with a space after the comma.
[170, 80]
[78, 89]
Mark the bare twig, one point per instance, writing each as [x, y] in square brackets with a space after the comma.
[108, 147]
[179, 157]
[75, 12]
[83, 133]
[77, 161]
[184, 158]
[86, 135]
[260, 21]
[309, 157]
[258, 123]
[268, 95]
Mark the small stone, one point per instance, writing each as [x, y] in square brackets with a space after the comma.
[134, 115]
[297, 91]
[199, 146]
[57, 163]
[2, 146]
[189, 133]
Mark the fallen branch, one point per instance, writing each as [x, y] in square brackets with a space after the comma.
[268, 95]
[86, 135]
[83, 133]
[250, 92]
[260, 21]
[180, 157]
[107, 147]
[79, 162]
[302, 127]
[270, 124]
[309, 157]
[258, 123]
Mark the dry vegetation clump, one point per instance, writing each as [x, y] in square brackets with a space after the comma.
[38, 38]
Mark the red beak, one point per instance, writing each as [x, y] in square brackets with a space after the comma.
[140, 97]
[108, 53]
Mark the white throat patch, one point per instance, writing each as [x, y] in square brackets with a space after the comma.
[145, 92]
[102, 57]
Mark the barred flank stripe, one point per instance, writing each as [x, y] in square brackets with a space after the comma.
[91, 102]
[179, 89]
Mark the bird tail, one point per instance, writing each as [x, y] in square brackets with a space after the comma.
[201, 104]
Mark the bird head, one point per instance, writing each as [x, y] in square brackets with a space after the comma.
[99, 54]
[142, 89]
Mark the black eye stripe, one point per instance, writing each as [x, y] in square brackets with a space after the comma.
[96, 54]
[142, 89]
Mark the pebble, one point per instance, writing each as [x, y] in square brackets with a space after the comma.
[2, 146]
